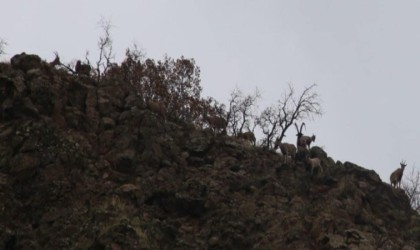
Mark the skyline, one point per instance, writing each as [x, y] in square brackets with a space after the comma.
[363, 56]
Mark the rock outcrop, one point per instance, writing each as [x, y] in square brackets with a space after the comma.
[87, 166]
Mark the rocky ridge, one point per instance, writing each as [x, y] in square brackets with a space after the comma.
[86, 166]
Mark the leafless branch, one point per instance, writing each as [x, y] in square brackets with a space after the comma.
[106, 53]
[269, 125]
[241, 111]
[3, 44]
[411, 186]
[290, 108]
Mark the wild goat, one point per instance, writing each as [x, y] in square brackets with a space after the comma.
[217, 123]
[314, 163]
[247, 136]
[286, 149]
[82, 69]
[303, 140]
[396, 176]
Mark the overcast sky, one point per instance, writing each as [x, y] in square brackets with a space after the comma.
[363, 55]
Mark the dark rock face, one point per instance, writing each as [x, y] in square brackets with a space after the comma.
[86, 166]
[25, 62]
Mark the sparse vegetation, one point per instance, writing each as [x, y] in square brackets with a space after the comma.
[122, 158]
[3, 45]
[241, 111]
[277, 119]
[411, 186]
[105, 47]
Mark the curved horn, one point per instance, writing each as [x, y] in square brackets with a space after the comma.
[301, 127]
[297, 128]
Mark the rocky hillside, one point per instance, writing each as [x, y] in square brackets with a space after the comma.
[87, 166]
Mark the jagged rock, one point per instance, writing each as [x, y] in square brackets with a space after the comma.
[26, 62]
[28, 108]
[23, 162]
[302, 154]
[361, 172]
[107, 123]
[179, 206]
[104, 106]
[76, 119]
[19, 83]
[127, 188]
[84, 165]
[77, 94]
[7, 88]
[132, 101]
[92, 106]
[318, 152]
[126, 162]
[19, 107]
[199, 144]
[43, 97]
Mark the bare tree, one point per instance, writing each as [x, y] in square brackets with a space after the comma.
[3, 44]
[276, 120]
[241, 111]
[136, 53]
[106, 53]
[411, 186]
[269, 124]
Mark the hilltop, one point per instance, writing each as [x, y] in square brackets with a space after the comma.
[85, 165]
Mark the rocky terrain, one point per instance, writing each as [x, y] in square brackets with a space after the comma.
[86, 166]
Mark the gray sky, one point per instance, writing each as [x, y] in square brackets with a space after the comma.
[364, 56]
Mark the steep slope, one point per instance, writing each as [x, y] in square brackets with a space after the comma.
[86, 166]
